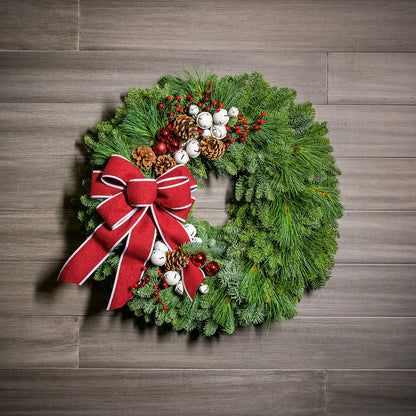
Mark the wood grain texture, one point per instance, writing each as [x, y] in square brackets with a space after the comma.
[369, 393]
[276, 25]
[320, 343]
[38, 342]
[102, 77]
[39, 235]
[30, 288]
[378, 184]
[364, 290]
[34, 24]
[371, 78]
[377, 237]
[370, 130]
[139, 392]
[48, 129]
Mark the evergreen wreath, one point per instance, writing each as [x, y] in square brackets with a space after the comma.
[280, 238]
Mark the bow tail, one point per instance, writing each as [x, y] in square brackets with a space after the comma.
[174, 234]
[192, 277]
[136, 253]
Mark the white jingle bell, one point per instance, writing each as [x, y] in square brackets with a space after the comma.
[181, 157]
[179, 288]
[192, 149]
[233, 112]
[196, 240]
[191, 230]
[171, 277]
[158, 258]
[206, 133]
[219, 132]
[159, 245]
[204, 289]
[193, 110]
[204, 120]
[220, 117]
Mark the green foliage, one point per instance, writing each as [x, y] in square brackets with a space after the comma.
[280, 238]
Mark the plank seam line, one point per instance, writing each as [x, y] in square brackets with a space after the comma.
[78, 23]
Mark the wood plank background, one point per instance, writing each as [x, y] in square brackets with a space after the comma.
[64, 65]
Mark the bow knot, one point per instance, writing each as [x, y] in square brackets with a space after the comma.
[141, 192]
[135, 207]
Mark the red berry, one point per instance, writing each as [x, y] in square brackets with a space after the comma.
[242, 139]
[181, 110]
[142, 284]
[155, 287]
[210, 83]
[256, 127]
[261, 121]
[159, 271]
[136, 285]
[161, 276]
[189, 96]
[244, 133]
[207, 92]
[207, 108]
[170, 127]
[217, 110]
[240, 116]
[263, 114]
[165, 285]
[206, 99]
[221, 105]
[258, 120]
[147, 280]
[231, 139]
[215, 102]
[244, 121]
[171, 114]
[227, 144]
[199, 131]
[247, 127]
[155, 293]
[160, 105]
[199, 104]
[165, 307]
[178, 97]
[159, 301]
[227, 128]
[144, 268]
[169, 97]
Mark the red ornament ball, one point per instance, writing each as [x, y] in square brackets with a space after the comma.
[160, 148]
[174, 145]
[212, 268]
[164, 134]
[199, 259]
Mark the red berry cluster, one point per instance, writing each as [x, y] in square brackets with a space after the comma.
[155, 287]
[241, 129]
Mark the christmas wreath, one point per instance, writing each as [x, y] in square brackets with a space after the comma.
[280, 238]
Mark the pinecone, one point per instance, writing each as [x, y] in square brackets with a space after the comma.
[143, 157]
[212, 148]
[185, 127]
[163, 164]
[176, 260]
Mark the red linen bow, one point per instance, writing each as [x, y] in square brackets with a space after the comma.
[134, 207]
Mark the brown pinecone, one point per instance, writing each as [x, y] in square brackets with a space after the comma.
[163, 164]
[212, 148]
[185, 127]
[143, 157]
[176, 260]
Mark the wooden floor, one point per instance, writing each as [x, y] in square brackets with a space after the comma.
[64, 65]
